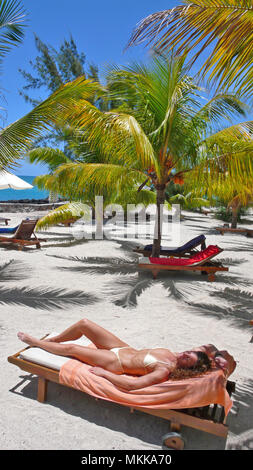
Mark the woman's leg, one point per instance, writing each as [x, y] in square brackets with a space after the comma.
[94, 357]
[102, 338]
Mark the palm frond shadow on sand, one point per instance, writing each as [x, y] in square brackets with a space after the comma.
[12, 270]
[242, 428]
[233, 303]
[44, 298]
[227, 298]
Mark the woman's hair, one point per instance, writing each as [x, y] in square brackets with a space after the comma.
[202, 365]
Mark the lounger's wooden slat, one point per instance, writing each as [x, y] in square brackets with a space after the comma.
[19, 242]
[209, 270]
[36, 369]
[247, 232]
[185, 419]
[201, 267]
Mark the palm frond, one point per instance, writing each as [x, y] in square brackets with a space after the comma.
[222, 26]
[48, 156]
[16, 138]
[12, 16]
[73, 210]
[85, 180]
[116, 135]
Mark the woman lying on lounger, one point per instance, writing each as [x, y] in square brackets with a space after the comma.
[113, 357]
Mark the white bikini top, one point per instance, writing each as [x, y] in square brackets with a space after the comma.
[149, 359]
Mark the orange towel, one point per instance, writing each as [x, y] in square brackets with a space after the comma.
[207, 389]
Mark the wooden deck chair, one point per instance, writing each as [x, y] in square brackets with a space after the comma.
[24, 235]
[69, 222]
[210, 418]
[3, 219]
[243, 231]
[185, 250]
[201, 262]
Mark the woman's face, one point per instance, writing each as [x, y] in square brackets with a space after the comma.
[187, 359]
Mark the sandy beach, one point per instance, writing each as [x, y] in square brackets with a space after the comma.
[70, 278]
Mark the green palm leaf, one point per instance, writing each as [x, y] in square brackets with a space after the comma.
[17, 137]
[48, 156]
[225, 27]
[11, 24]
[63, 213]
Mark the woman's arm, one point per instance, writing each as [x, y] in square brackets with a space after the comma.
[129, 383]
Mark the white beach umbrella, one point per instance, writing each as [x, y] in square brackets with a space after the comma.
[8, 180]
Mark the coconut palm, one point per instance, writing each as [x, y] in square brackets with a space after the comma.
[227, 177]
[222, 28]
[153, 137]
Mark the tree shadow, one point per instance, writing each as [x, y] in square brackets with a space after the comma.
[13, 270]
[71, 241]
[44, 298]
[243, 246]
[227, 298]
[241, 417]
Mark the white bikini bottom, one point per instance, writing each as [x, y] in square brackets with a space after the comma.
[116, 351]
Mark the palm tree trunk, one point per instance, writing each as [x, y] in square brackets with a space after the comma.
[160, 199]
[235, 211]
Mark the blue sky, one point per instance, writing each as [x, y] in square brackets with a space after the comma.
[100, 29]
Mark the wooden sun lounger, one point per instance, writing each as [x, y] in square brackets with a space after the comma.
[24, 236]
[69, 222]
[210, 419]
[244, 231]
[3, 219]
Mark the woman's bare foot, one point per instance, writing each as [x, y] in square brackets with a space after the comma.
[27, 339]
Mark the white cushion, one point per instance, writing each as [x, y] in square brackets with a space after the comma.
[44, 358]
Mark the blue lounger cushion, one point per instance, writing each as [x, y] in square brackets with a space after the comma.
[181, 249]
[8, 229]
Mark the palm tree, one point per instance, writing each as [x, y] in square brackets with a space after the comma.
[223, 28]
[154, 136]
[227, 177]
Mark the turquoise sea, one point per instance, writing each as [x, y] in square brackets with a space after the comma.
[12, 194]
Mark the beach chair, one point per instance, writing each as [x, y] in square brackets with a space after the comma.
[185, 250]
[3, 219]
[23, 236]
[69, 222]
[210, 418]
[243, 231]
[202, 262]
